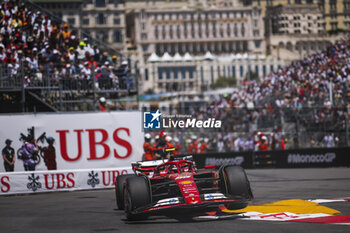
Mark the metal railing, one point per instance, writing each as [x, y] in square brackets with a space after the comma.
[65, 90]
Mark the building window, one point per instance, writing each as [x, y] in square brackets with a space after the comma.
[183, 71]
[242, 29]
[178, 32]
[156, 32]
[100, 3]
[257, 43]
[145, 48]
[202, 75]
[160, 73]
[192, 30]
[163, 31]
[100, 18]
[117, 36]
[219, 71]
[168, 76]
[86, 21]
[233, 71]
[191, 71]
[228, 30]
[200, 30]
[146, 74]
[171, 31]
[235, 30]
[116, 21]
[214, 29]
[241, 70]
[71, 21]
[175, 73]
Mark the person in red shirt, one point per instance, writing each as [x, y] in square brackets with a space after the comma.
[102, 105]
[50, 154]
[164, 149]
[193, 147]
[156, 139]
[263, 146]
[203, 147]
[148, 149]
[177, 147]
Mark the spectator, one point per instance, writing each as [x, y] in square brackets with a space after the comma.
[263, 144]
[203, 146]
[328, 140]
[102, 105]
[8, 154]
[50, 154]
[29, 150]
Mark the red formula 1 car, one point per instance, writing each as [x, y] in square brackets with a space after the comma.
[177, 188]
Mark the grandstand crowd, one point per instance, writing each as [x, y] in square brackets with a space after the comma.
[33, 44]
[313, 92]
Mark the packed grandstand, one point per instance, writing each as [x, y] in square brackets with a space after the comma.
[45, 50]
[312, 93]
[308, 97]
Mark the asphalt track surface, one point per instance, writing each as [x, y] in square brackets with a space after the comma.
[95, 211]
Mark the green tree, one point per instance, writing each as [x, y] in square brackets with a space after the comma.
[251, 76]
[149, 91]
[224, 82]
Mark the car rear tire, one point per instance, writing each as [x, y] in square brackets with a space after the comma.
[137, 193]
[119, 185]
[234, 181]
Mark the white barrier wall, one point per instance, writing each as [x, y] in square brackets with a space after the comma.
[65, 180]
[82, 140]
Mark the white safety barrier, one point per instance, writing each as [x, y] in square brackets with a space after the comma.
[67, 180]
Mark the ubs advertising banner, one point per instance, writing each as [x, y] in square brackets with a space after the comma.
[51, 181]
[81, 141]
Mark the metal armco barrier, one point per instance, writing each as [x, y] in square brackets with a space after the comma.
[313, 157]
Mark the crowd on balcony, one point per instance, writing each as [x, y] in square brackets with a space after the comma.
[45, 50]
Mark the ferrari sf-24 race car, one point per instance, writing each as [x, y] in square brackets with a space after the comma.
[176, 188]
